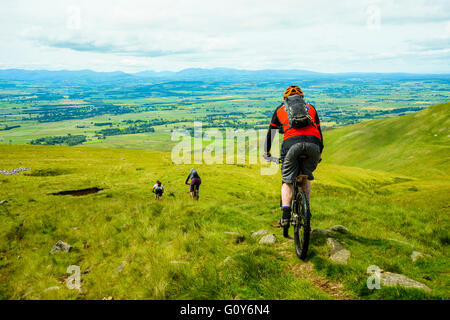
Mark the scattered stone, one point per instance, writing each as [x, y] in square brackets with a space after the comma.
[415, 255]
[51, 288]
[259, 233]
[402, 242]
[76, 228]
[3, 201]
[317, 233]
[227, 259]
[107, 298]
[268, 239]
[338, 253]
[13, 171]
[339, 228]
[394, 279]
[61, 246]
[178, 262]
[86, 271]
[238, 236]
[121, 267]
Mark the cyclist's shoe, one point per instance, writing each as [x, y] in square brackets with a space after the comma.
[284, 222]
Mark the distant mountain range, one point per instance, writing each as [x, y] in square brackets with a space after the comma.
[198, 74]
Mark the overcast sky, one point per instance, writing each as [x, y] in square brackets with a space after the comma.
[134, 35]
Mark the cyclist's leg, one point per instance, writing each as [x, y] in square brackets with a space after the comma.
[289, 173]
[199, 182]
[191, 191]
[312, 151]
[286, 194]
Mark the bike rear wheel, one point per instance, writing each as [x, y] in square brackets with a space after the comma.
[301, 222]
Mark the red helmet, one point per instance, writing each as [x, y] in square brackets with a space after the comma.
[293, 90]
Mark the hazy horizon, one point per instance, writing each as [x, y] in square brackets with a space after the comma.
[227, 68]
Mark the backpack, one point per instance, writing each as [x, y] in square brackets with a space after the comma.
[297, 110]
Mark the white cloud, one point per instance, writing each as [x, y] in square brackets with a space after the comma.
[132, 35]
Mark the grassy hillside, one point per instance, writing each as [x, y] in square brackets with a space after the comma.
[417, 145]
[130, 246]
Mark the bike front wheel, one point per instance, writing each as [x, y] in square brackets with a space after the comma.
[302, 227]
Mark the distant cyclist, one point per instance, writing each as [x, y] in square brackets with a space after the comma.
[300, 124]
[195, 183]
[158, 190]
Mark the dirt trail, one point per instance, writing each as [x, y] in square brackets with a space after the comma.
[305, 270]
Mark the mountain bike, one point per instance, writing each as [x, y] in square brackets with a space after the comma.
[301, 215]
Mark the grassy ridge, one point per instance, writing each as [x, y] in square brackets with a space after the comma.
[130, 243]
[415, 145]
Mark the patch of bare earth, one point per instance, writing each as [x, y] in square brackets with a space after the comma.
[305, 270]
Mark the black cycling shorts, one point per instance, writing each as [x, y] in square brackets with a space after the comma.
[292, 165]
[158, 192]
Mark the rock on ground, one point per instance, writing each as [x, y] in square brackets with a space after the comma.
[238, 236]
[120, 268]
[415, 255]
[268, 239]
[61, 246]
[259, 233]
[13, 171]
[394, 279]
[339, 228]
[317, 233]
[227, 259]
[338, 253]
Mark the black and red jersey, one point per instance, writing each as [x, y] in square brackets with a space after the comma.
[311, 133]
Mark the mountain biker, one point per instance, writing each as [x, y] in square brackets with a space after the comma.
[158, 190]
[298, 141]
[195, 182]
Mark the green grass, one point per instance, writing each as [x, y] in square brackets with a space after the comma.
[124, 225]
[372, 180]
[415, 144]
